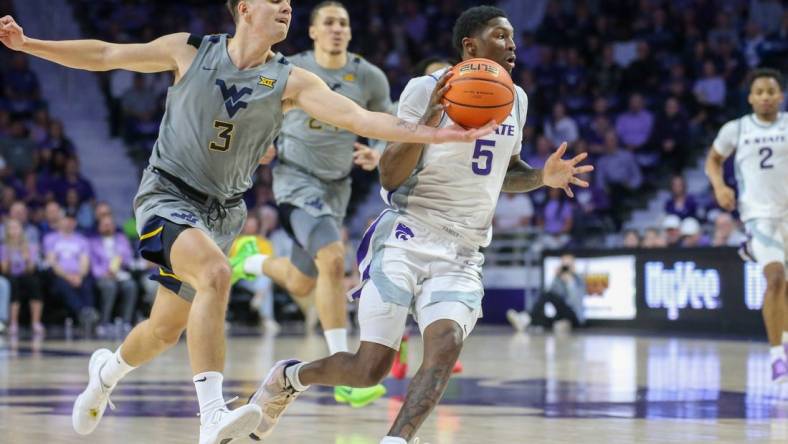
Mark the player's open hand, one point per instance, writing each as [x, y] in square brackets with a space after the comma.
[365, 157]
[435, 109]
[726, 198]
[11, 34]
[560, 173]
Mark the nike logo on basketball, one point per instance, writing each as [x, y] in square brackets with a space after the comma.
[204, 378]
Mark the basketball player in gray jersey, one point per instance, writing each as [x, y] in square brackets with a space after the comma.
[224, 110]
[312, 184]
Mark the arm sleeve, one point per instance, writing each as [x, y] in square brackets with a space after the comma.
[727, 138]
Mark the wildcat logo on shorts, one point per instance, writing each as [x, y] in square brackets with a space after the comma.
[403, 233]
[186, 216]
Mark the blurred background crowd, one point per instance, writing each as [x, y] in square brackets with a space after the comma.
[642, 86]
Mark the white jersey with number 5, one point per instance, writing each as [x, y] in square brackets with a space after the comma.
[455, 186]
[761, 164]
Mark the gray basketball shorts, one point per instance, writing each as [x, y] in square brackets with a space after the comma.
[163, 211]
[311, 210]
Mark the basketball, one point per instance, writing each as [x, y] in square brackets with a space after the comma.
[481, 90]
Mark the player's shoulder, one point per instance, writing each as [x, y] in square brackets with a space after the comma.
[363, 65]
[733, 125]
[520, 94]
[301, 58]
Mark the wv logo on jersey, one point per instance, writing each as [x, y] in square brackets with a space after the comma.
[232, 97]
[186, 216]
[403, 233]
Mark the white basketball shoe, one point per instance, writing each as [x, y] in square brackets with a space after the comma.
[224, 426]
[90, 404]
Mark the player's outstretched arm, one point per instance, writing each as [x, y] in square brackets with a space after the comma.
[726, 197]
[96, 55]
[308, 92]
[557, 173]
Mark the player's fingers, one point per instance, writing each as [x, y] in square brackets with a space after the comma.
[579, 182]
[561, 150]
[579, 158]
[444, 78]
[568, 191]
[6, 19]
[584, 169]
[360, 146]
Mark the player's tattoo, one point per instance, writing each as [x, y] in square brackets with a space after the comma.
[412, 127]
[424, 393]
[521, 178]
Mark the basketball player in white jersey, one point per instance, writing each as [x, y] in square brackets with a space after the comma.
[422, 254]
[760, 143]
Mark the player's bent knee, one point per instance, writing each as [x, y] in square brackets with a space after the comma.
[331, 260]
[445, 343]
[373, 363]
[775, 278]
[215, 275]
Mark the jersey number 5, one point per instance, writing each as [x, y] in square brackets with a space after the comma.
[225, 134]
[766, 152]
[480, 153]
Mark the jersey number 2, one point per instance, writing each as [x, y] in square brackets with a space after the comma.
[480, 153]
[225, 134]
[766, 152]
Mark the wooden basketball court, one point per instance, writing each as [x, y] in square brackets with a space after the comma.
[583, 388]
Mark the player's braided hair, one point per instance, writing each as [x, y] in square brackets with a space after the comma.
[321, 5]
[760, 73]
[473, 21]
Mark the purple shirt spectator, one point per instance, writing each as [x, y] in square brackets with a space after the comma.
[680, 203]
[634, 126]
[68, 249]
[557, 213]
[103, 250]
[16, 259]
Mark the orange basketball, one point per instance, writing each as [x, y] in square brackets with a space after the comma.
[481, 90]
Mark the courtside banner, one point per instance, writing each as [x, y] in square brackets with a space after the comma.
[709, 289]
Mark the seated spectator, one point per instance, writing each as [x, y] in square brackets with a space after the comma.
[691, 234]
[634, 126]
[18, 260]
[671, 225]
[21, 87]
[57, 140]
[513, 213]
[19, 213]
[82, 211]
[557, 218]
[560, 127]
[53, 213]
[672, 133]
[67, 254]
[726, 232]
[709, 90]
[72, 179]
[680, 203]
[631, 239]
[111, 261]
[543, 151]
[617, 167]
[565, 297]
[17, 149]
[140, 106]
[653, 238]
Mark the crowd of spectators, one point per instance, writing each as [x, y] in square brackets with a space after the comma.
[641, 86]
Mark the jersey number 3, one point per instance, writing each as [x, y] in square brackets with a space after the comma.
[482, 158]
[225, 135]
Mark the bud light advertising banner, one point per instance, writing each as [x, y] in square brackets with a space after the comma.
[709, 289]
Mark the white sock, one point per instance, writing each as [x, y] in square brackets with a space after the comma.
[291, 373]
[777, 352]
[337, 340]
[254, 264]
[393, 440]
[114, 369]
[785, 337]
[209, 392]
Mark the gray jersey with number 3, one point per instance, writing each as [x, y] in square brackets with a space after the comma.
[220, 120]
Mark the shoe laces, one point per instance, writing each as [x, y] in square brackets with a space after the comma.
[106, 391]
[279, 402]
